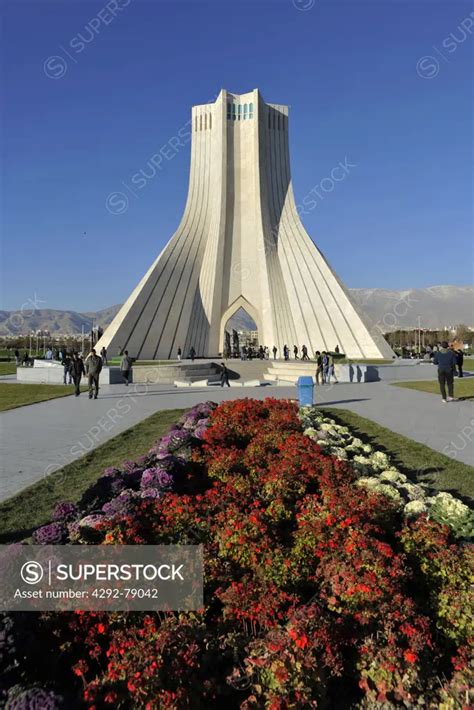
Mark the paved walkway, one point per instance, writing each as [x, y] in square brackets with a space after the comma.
[41, 438]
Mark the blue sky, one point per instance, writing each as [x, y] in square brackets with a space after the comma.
[385, 84]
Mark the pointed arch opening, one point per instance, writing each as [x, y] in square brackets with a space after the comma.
[240, 327]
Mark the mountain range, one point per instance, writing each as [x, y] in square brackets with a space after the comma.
[435, 307]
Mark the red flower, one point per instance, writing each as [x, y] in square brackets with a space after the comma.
[410, 656]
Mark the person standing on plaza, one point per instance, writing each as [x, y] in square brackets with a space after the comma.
[103, 355]
[67, 365]
[460, 361]
[192, 353]
[295, 352]
[126, 367]
[224, 375]
[445, 359]
[17, 357]
[331, 370]
[286, 352]
[93, 368]
[77, 371]
[325, 367]
[319, 367]
[180, 352]
[275, 350]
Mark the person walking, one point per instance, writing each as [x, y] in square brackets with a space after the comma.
[331, 370]
[261, 352]
[77, 371]
[17, 357]
[93, 368]
[295, 352]
[224, 375]
[319, 366]
[192, 353]
[103, 355]
[180, 352]
[459, 362]
[67, 369]
[126, 367]
[445, 359]
[304, 352]
[275, 350]
[325, 367]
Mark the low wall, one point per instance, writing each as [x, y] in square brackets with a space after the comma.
[53, 374]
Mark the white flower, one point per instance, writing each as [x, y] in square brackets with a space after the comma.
[380, 460]
[338, 452]
[367, 482]
[357, 443]
[389, 492]
[393, 475]
[367, 448]
[414, 508]
[413, 492]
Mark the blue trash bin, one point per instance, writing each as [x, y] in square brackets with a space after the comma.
[305, 387]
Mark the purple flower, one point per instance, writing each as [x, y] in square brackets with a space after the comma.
[65, 511]
[34, 698]
[52, 534]
[121, 504]
[156, 478]
[200, 431]
[129, 466]
[111, 471]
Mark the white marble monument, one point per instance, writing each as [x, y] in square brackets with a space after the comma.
[240, 244]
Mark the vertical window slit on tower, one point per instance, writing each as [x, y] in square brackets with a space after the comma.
[200, 122]
[205, 121]
[210, 121]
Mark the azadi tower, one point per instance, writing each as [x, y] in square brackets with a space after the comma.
[240, 244]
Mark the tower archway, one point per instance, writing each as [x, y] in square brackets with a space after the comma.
[240, 303]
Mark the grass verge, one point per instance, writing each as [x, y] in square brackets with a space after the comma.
[463, 386]
[420, 463]
[13, 394]
[26, 511]
[7, 368]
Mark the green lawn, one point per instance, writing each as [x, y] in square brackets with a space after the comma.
[469, 363]
[420, 463]
[13, 395]
[20, 515]
[463, 387]
[7, 368]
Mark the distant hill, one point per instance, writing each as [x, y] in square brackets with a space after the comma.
[55, 321]
[437, 307]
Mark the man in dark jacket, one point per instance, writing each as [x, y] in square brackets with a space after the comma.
[93, 368]
[224, 375]
[460, 361]
[77, 371]
[446, 361]
[319, 367]
[66, 363]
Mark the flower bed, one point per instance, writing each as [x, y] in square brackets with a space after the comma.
[319, 592]
[376, 472]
